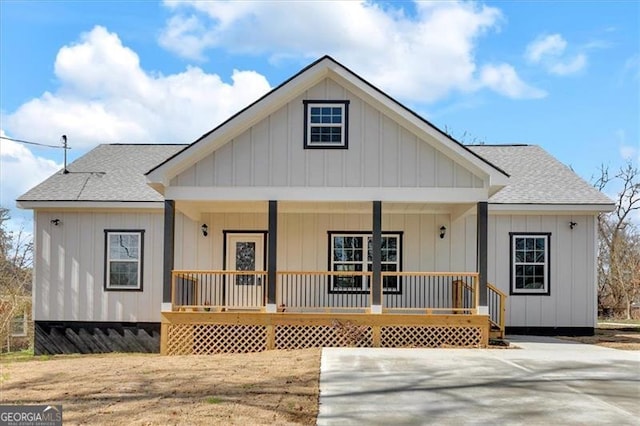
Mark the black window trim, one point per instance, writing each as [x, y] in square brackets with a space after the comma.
[330, 234]
[512, 237]
[106, 285]
[345, 125]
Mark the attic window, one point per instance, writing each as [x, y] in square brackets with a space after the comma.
[326, 124]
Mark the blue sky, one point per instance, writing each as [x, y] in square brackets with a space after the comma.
[563, 75]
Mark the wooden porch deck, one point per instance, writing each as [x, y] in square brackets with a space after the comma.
[225, 311]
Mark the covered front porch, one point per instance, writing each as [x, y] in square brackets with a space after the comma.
[370, 289]
[225, 311]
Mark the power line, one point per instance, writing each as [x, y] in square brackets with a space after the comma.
[34, 143]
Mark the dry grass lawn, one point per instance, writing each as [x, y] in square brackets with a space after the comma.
[272, 387]
[612, 337]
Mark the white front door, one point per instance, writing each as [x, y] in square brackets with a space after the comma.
[245, 252]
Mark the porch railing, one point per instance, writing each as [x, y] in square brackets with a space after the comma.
[217, 290]
[322, 291]
[430, 292]
[497, 304]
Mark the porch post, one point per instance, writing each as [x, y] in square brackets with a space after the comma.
[482, 230]
[376, 259]
[169, 241]
[272, 257]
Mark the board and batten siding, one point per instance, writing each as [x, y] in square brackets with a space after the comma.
[303, 241]
[381, 153]
[303, 246]
[571, 302]
[69, 274]
[303, 238]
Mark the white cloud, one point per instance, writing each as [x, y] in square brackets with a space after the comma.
[20, 169]
[570, 66]
[627, 151]
[105, 96]
[420, 58]
[550, 52]
[503, 79]
[551, 45]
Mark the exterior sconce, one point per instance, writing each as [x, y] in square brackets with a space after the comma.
[572, 224]
[205, 230]
[443, 231]
[55, 222]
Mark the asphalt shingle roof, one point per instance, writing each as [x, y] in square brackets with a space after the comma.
[537, 177]
[117, 173]
[106, 173]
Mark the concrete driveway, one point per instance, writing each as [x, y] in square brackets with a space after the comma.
[547, 381]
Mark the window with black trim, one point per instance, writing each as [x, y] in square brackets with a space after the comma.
[326, 124]
[353, 252]
[530, 263]
[123, 259]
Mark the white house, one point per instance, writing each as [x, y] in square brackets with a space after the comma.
[325, 213]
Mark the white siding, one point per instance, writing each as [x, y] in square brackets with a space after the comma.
[69, 283]
[195, 251]
[381, 153]
[572, 276]
[70, 265]
[303, 238]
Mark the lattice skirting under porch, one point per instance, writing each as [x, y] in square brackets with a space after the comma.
[430, 337]
[203, 338]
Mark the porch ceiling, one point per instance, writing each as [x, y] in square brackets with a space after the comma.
[193, 209]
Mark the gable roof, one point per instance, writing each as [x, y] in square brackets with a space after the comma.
[537, 177]
[161, 174]
[116, 173]
[106, 173]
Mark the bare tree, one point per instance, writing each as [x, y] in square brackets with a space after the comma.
[619, 244]
[16, 256]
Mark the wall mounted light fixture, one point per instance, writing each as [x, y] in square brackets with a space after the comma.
[205, 230]
[572, 224]
[443, 231]
[55, 222]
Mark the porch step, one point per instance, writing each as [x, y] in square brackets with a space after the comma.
[495, 332]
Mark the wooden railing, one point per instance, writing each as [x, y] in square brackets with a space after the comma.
[497, 303]
[307, 291]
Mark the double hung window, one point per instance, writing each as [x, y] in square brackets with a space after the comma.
[123, 260]
[352, 252]
[530, 263]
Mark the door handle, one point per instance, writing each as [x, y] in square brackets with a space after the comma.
[259, 280]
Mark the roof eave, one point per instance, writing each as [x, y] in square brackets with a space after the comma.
[87, 204]
[495, 172]
[568, 207]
